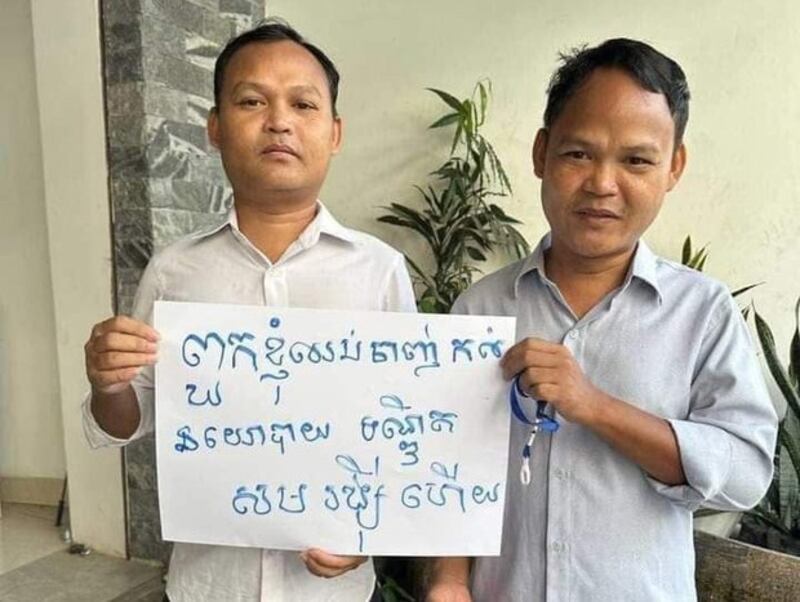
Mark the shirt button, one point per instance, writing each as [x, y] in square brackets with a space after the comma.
[561, 473]
[574, 334]
[556, 546]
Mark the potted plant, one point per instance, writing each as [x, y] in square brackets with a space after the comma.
[459, 221]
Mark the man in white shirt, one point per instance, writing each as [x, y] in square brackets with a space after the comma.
[276, 126]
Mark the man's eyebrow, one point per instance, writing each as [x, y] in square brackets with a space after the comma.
[642, 148]
[298, 89]
[574, 141]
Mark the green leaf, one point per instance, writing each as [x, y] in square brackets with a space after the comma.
[457, 136]
[744, 289]
[484, 96]
[794, 347]
[773, 363]
[701, 262]
[451, 100]
[769, 518]
[792, 447]
[446, 120]
[396, 221]
[686, 255]
[476, 254]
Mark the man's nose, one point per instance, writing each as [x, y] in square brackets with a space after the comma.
[277, 119]
[601, 179]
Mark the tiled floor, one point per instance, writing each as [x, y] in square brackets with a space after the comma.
[35, 566]
[27, 533]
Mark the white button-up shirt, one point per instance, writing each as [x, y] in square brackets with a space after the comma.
[328, 266]
[592, 525]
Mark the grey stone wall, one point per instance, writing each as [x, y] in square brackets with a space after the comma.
[164, 180]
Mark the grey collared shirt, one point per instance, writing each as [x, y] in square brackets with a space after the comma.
[592, 525]
[328, 266]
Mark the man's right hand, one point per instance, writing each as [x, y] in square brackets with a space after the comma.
[116, 351]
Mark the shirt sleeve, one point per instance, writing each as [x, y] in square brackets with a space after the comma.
[398, 293]
[147, 293]
[727, 441]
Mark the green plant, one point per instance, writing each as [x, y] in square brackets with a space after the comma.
[780, 508]
[458, 220]
[697, 261]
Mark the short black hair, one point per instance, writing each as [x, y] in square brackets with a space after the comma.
[653, 71]
[274, 30]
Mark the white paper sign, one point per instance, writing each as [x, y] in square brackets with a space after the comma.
[354, 432]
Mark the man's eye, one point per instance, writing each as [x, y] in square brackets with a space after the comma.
[639, 161]
[576, 154]
[250, 102]
[305, 105]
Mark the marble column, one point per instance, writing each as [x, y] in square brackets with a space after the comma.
[164, 179]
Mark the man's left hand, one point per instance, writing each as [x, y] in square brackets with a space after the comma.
[323, 564]
[548, 372]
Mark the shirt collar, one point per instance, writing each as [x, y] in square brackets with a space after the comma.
[323, 223]
[643, 266]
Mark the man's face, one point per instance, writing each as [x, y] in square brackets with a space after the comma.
[274, 125]
[606, 164]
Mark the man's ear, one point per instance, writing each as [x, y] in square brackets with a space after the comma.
[539, 153]
[212, 127]
[677, 166]
[338, 134]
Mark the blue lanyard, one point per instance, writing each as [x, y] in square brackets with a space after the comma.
[542, 422]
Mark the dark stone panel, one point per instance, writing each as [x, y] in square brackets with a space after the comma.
[170, 225]
[131, 224]
[124, 38]
[127, 283]
[161, 36]
[145, 525]
[162, 101]
[186, 14]
[206, 52]
[133, 253]
[128, 162]
[173, 150]
[211, 5]
[125, 131]
[217, 30]
[130, 193]
[209, 197]
[244, 7]
[197, 109]
[125, 99]
[179, 74]
[120, 11]
[124, 67]
[142, 458]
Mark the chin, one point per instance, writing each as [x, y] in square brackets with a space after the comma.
[597, 249]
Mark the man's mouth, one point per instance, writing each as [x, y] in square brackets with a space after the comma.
[592, 213]
[279, 150]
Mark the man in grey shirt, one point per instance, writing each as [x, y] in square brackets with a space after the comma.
[647, 365]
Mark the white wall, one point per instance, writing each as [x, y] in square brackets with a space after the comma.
[69, 75]
[742, 60]
[31, 440]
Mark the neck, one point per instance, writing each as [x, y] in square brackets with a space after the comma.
[272, 229]
[584, 281]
